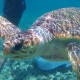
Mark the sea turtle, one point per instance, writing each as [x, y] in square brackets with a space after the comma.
[55, 36]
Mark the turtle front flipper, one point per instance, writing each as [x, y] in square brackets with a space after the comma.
[8, 32]
[74, 56]
[7, 29]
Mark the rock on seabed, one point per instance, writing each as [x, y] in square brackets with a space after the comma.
[28, 70]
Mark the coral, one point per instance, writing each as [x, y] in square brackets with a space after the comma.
[28, 70]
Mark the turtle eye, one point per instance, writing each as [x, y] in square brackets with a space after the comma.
[18, 46]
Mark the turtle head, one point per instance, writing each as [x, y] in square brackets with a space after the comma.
[20, 48]
[74, 56]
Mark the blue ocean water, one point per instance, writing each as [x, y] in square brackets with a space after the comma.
[34, 9]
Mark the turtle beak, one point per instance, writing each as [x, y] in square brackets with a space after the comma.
[6, 49]
[10, 47]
